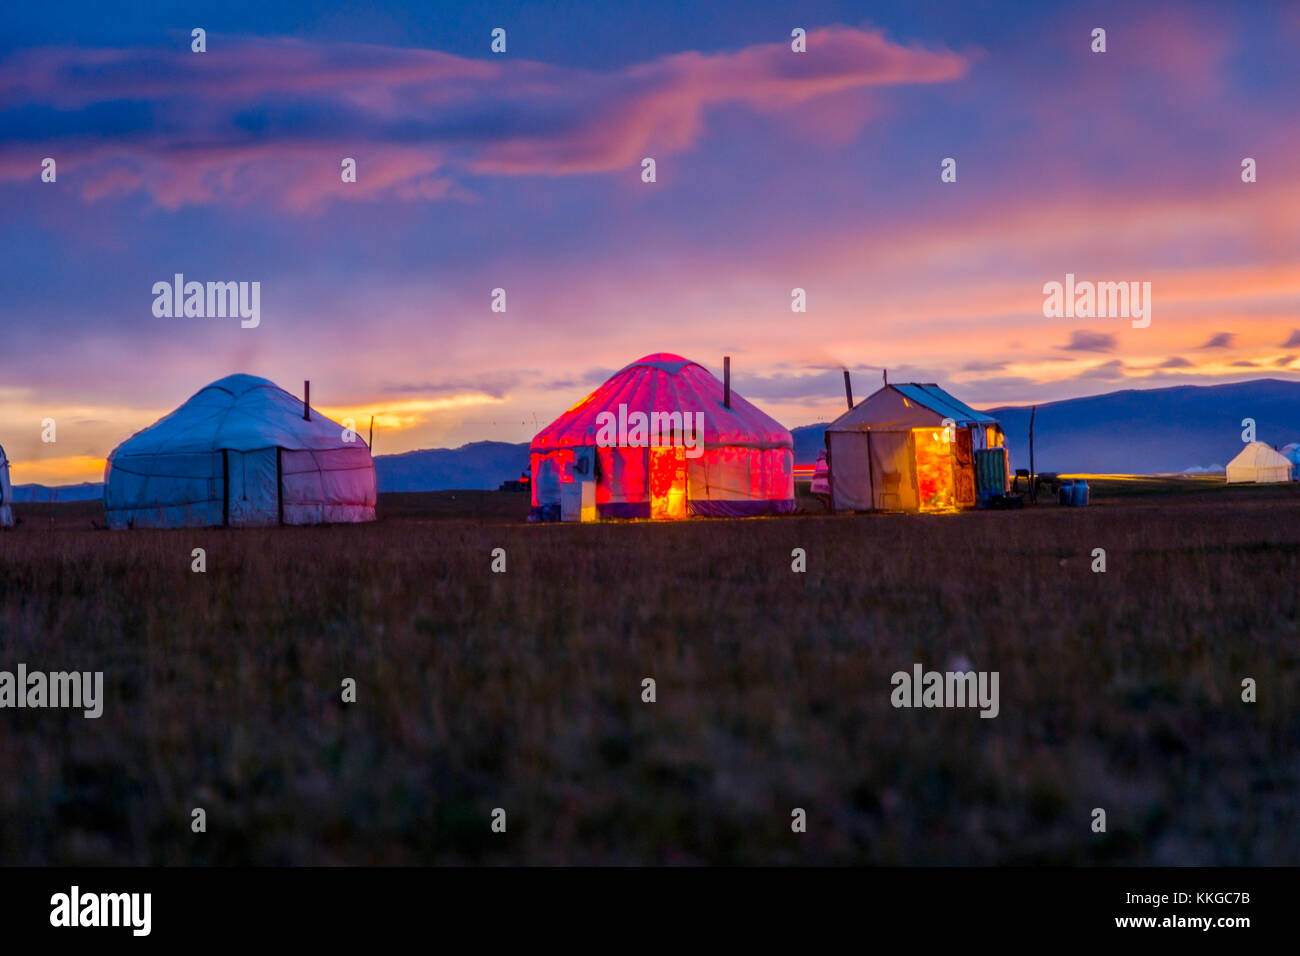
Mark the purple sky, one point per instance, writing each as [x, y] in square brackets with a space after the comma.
[775, 170]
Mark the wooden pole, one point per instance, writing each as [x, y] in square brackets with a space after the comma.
[1033, 476]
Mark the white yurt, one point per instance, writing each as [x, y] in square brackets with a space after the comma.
[6, 493]
[1259, 463]
[241, 452]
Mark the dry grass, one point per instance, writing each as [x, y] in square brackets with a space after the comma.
[522, 690]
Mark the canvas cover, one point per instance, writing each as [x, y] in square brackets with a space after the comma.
[908, 406]
[6, 493]
[1291, 453]
[872, 471]
[992, 472]
[821, 480]
[239, 453]
[1257, 462]
[746, 468]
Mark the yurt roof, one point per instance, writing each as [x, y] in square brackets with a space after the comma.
[664, 382]
[937, 400]
[238, 413]
[908, 405]
[1258, 454]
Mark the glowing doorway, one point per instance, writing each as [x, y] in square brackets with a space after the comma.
[935, 484]
[668, 482]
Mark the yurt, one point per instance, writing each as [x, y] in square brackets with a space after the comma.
[663, 438]
[914, 447]
[6, 493]
[241, 452]
[1291, 453]
[1259, 463]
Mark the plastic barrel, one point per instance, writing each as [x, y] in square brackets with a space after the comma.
[1079, 494]
[1065, 493]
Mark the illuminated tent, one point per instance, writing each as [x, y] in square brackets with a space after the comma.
[908, 448]
[745, 468]
[1257, 462]
[239, 453]
[6, 493]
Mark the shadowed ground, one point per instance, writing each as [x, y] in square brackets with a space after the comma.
[523, 690]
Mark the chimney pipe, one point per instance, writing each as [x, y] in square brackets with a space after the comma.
[885, 373]
[848, 390]
[726, 381]
[306, 400]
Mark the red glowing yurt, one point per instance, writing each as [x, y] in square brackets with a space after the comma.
[663, 438]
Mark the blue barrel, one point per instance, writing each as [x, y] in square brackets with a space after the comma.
[1079, 494]
[1065, 493]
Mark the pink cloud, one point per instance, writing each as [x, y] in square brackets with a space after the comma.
[659, 108]
[414, 116]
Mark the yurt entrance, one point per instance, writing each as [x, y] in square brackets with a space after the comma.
[935, 483]
[945, 469]
[252, 487]
[668, 481]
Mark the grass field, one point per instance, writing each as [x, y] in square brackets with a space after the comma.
[522, 690]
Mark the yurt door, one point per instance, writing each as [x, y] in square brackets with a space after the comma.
[963, 468]
[254, 487]
[668, 482]
[936, 486]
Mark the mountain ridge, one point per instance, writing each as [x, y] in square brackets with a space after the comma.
[1167, 430]
[1172, 429]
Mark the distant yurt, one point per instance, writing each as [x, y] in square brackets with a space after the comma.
[914, 447]
[6, 493]
[1291, 453]
[663, 438]
[1259, 463]
[821, 479]
[241, 452]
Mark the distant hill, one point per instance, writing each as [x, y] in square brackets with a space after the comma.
[1155, 430]
[808, 441]
[42, 494]
[478, 465]
[1136, 431]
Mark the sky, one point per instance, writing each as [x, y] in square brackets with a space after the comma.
[775, 170]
